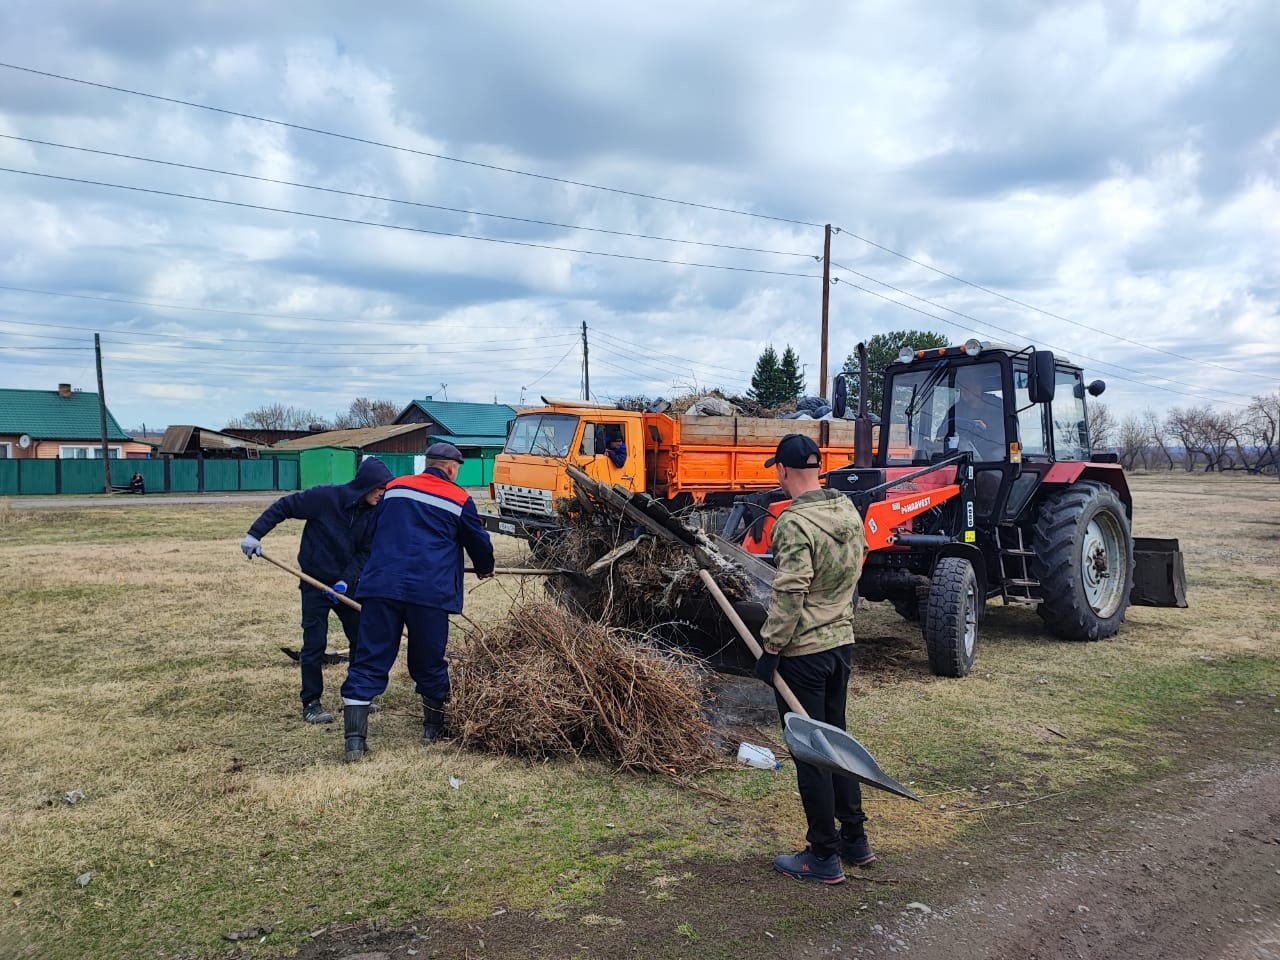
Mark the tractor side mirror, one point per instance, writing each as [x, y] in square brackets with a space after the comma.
[1041, 376]
[839, 397]
[1096, 387]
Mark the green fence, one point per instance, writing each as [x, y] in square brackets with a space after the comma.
[48, 477]
[184, 476]
[400, 464]
[326, 465]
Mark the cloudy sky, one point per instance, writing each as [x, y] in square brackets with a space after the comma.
[397, 199]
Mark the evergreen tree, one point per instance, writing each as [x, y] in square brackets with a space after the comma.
[791, 374]
[882, 350]
[767, 386]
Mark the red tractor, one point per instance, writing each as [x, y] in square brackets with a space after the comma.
[984, 485]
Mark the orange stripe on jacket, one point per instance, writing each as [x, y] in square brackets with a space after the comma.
[436, 486]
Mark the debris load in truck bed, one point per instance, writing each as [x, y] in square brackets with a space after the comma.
[545, 683]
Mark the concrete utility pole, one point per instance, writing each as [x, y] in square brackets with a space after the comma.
[826, 302]
[102, 417]
[586, 370]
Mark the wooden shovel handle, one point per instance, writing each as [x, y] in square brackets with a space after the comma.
[342, 597]
[745, 633]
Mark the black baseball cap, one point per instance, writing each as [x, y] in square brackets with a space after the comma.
[444, 451]
[798, 452]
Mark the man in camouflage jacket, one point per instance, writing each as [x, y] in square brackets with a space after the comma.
[818, 546]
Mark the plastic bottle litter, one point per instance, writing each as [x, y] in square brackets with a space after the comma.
[755, 756]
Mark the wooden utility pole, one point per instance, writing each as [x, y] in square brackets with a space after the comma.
[826, 302]
[586, 370]
[102, 417]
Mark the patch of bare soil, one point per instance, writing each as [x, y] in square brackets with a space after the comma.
[1184, 867]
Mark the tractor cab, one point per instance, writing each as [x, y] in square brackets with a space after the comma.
[1014, 411]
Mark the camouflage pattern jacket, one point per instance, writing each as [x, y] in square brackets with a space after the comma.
[818, 545]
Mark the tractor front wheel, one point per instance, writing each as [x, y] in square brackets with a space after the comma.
[1084, 561]
[951, 621]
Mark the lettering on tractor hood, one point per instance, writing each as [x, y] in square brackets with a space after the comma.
[913, 505]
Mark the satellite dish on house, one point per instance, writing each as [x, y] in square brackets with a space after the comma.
[24, 441]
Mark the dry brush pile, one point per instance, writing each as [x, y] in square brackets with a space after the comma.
[545, 683]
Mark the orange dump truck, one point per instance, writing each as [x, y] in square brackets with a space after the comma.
[684, 460]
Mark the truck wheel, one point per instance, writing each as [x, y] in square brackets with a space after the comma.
[951, 619]
[1084, 562]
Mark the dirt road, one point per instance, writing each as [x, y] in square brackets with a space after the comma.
[1182, 868]
[1186, 870]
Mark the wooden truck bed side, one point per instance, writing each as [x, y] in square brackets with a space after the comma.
[699, 455]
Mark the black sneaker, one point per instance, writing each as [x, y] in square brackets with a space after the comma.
[314, 712]
[806, 865]
[856, 852]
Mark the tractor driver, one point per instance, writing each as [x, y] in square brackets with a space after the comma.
[975, 421]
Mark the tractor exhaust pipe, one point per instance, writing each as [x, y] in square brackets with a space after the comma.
[862, 425]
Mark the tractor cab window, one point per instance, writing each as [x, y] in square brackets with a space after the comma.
[1030, 419]
[542, 434]
[1070, 428]
[941, 409]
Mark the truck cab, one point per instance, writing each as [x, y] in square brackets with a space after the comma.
[529, 475]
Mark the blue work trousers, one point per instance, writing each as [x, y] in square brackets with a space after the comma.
[315, 637]
[381, 623]
[820, 682]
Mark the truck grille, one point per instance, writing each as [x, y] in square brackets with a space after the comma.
[528, 500]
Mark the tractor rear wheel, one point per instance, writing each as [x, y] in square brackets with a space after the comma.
[1084, 561]
[951, 620]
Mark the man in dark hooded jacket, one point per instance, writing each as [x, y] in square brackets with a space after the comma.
[335, 545]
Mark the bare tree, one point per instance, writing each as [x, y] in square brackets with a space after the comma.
[1158, 430]
[1261, 431]
[276, 416]
[364, 412]
[1101, 425]
[1205, 432]
[1134, 442]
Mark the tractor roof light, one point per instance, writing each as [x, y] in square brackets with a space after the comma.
[972, 347]
[906, 354]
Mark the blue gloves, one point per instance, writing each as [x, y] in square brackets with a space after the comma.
[339, 587]
[765, 667]
[251, 546]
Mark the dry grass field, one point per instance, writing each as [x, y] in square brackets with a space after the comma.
[142, 664]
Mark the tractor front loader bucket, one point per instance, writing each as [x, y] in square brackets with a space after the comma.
[1158, 577]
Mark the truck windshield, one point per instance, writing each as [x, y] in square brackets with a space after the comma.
[542, 434]
[938, 410]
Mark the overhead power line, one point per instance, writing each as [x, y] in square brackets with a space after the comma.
[649, 351]
[402, 227]
[233, 313]
[414, 203]
[402, 149]
[1043, 312]
[1015, 333]
[187, 338]
[934, 316]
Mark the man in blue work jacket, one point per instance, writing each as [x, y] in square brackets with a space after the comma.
[335, 545]
[414, 578]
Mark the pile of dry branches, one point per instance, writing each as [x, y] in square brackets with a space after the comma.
[654, 583]
[545, 683]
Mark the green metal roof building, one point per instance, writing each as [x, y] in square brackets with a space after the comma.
[54, 415]
[479, 430]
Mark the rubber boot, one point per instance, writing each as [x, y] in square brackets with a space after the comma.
[355, 718]
[433, 720]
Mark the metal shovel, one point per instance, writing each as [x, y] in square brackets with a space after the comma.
[812, 741]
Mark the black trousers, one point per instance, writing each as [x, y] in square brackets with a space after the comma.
[820, 682]
[315, 637]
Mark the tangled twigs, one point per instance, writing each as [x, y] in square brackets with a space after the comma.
[545, 683]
